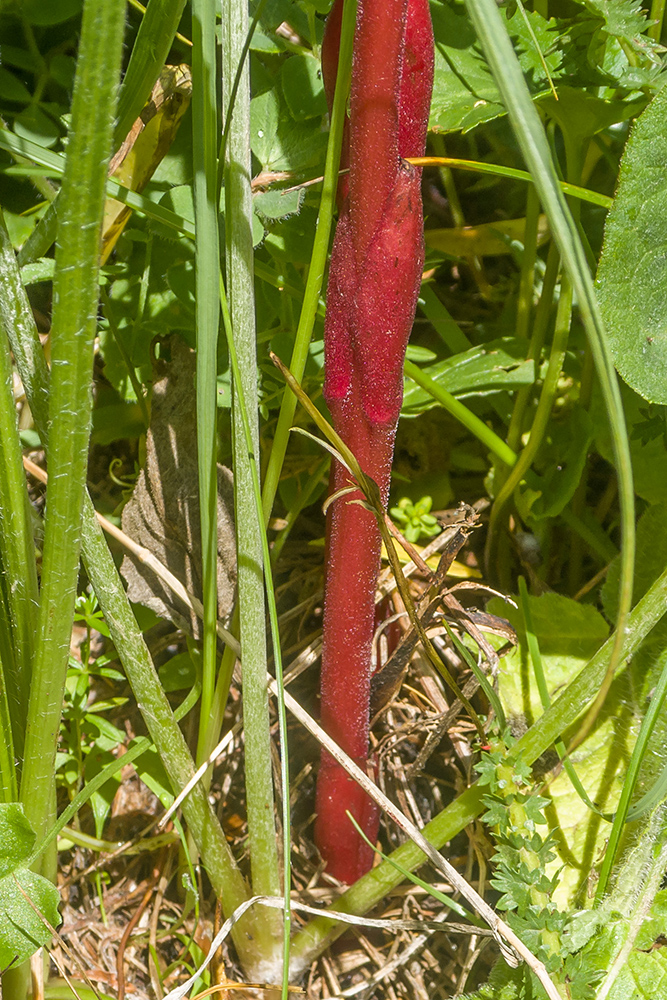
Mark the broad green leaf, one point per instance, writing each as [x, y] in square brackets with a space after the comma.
[178, 673]
[17, 837]
[650, 560]
[54, 12]
[33, 124]
[500, 364]
[648, 447]
[280, 143]
[582, 115]
[464, 93]
[21, 930]
[632, 276]
[11, 88]
[568, 634]
[303, 88]
[275, 204]
[291, 241]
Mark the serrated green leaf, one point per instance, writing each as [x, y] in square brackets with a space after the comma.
[21, 930]
[632, 276]
[464, 93]
[17, 837]
[273, 205]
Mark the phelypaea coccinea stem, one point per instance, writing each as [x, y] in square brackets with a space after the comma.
[374, 277]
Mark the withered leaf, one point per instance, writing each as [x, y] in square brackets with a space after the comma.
[163, 512]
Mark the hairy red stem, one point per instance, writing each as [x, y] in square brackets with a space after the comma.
[374, 278]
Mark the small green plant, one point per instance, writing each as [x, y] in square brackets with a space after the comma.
[415, 519]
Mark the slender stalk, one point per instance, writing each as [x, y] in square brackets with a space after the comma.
[275, 636]
[149, 54]
[20, 594]
[318, 257]
[251, 601]
[370, 889]
[207, 317]
[228, 883]
[502, 59]
[542, 415]
[73, 332]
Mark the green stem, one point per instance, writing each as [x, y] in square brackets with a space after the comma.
[542, 315]
[75, 298]
[275, 636]
[207, 318]
[499, 52]
[657, 15]
[20, 593]
[542, 415]
[249, 529]
[639, 752]
[149, 53]
[318, 257]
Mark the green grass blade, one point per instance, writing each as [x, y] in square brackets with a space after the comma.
[318, 257]
[506, 70]
[207, 320]
[17, 545]
[639, 751]
[545, 698]
[75, 298]
[249, 529]
[149, 54]
[161, 722]
[275, 639]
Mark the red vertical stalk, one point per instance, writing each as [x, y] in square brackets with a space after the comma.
[374, 277]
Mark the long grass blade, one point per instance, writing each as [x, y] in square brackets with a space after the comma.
[507, 73]
[207, 317]
[75, 297]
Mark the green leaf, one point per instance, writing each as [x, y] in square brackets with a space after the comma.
[17, 837]
[648, 452]
[561, 464]
[464, 93]
[11, 88]
[101, 800]
[568, 632]
[54, 12]
[303, 88]
[178, 673]
[582, 115]
[280, 143]
[35, 125]
[632, 276]
[21, 930]
[271, 205]
[500, 364]
[650, 561]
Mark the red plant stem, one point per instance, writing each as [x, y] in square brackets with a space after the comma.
[374, 278]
